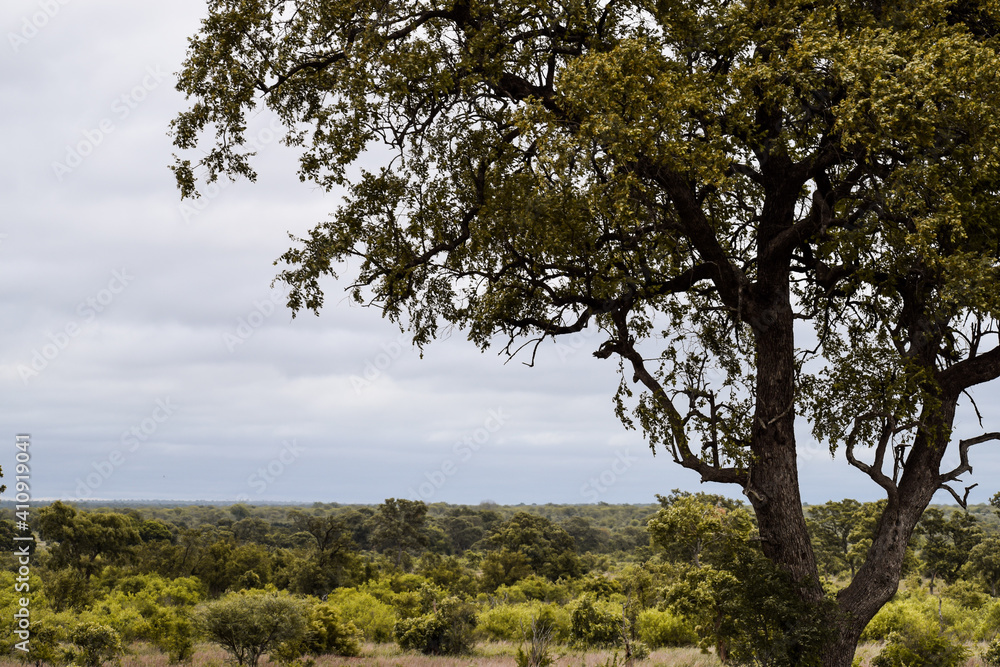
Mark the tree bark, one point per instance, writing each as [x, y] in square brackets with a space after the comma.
[878, 577]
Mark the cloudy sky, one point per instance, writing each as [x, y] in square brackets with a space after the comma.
[148, 357]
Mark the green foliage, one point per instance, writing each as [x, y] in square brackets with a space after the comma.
[991, 654]
[664, 628]
[249, 623]
[923, 612]
[984, 563]
[86, 541]
[751, 612]
[398, 526]
[446, 629]
[690, 529]
[510, 622]
[921, 647]
[595, 623]
[326, 633]
[526, 544]
[44, 645]
[374, 618]
[948, 543]
[96, 644]
[330, 633]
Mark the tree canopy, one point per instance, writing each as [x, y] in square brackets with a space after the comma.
[770, 211]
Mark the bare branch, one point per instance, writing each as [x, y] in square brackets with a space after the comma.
[874, 471]
[963, 454]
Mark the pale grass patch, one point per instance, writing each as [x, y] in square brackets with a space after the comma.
[487, 654]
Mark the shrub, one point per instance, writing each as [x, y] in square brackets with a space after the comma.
[249, 623]
[664, 628]
[446, 630]
[326, 633]
[595, 623]
[921, 647]
[925, 611]
[991, 656]
[330, 633]
[374, 618]
[96, 643]
[175, 636]
[510, 622]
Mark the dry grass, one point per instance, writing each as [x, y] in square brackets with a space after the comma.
[491, 654]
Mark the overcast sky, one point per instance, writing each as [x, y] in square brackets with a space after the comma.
[145, 352]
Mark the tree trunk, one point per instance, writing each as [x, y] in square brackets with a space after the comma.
[878, 577]
[773, 487]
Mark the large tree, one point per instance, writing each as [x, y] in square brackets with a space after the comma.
[771, 211]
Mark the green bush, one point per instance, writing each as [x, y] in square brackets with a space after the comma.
[251, 622]
[991, 656]
[664, 628]
[374, 618]
[511, 622]
[445, 630]
[96, 644]
[922, 610]
[921, 647]
[595, 623]
[989, 622]
[330, 633]
[326, 633]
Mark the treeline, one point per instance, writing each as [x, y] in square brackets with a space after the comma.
[439, 578]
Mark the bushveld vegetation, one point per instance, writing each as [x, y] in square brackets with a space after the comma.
[684, 581]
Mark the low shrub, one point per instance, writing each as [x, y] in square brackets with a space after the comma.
[374, 618]
[921, 647]
[445, 630]
[991, 656]
[664, 628]
[96, 644]
[595, 623]
[511, 622]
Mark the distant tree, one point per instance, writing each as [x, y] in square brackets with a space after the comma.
[397, 526]
[831, 526]
[463, 528]
[333, 548]
[153, 530]
[691, 527]
[86, 541]
[548, 548]
[251, 529]
[984, 562]
[947, 543]
[248, 624]
[503, 568]
[585, 536]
